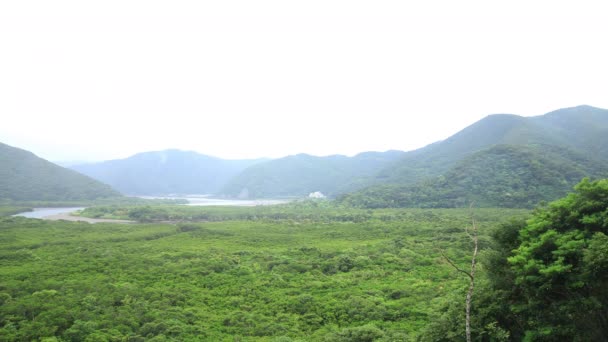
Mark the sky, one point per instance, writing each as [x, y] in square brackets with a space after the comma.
[97, 80]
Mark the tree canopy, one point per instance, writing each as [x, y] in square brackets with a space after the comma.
[561, 266]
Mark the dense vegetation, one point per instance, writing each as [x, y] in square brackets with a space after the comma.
[308, 271]
[581, 129]
[302, 174]
[12, 210]
[376, 277]
[309, 210]
[509, 176]
[25, 177]
[114, 201]
[546, 277]
[502, 160]
[166, 172]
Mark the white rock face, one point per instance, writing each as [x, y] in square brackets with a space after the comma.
[316, 194]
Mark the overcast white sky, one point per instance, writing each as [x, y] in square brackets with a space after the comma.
[94, 80]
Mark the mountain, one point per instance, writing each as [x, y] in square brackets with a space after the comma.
[501, 160]
[579, 129]
[26, 177]
[302, 174]
[166, 172]
[512, 176]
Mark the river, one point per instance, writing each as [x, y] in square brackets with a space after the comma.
[46, 212]
[194, 200]
[204, 200]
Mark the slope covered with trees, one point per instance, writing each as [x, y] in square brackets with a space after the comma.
[166, 172]
[302, 174]
[502, 160]
[514, 176]
[26, 177]
[583, 129]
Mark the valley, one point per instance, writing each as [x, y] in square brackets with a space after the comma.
[373, 247]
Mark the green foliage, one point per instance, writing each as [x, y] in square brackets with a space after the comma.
[11, 210]
[583, 129]
[501, 176]
[25, 177]
[560, 266]
[546, 277]
[366, 333]
[114, 201]
[166, 172]
[302, 174]
[502, 160]
[309, 210]
[337, 275]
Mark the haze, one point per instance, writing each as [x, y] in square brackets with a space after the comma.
[243, 79]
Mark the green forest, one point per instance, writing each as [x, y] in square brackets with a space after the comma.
[508, 176]
[311, 271]
[26, 177]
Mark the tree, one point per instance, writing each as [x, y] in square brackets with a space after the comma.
[471, 275]
[560, 267]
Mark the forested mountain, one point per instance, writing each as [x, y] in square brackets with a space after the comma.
[502, 160]
[166, 172]
[511, 176]
[26, 177]
[302, 174]
[582, 129]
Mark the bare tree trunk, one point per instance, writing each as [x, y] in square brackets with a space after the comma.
[472, 281]
[471, 276]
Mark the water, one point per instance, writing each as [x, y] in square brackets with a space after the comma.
[202, 200]
[194, 200]
[45, 212]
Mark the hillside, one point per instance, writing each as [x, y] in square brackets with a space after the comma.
[302, 174]
[501, 160]
[26, 177]
[512, 176]
[166, 172]
[583, 129]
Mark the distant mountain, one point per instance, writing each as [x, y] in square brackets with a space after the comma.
[302, 174]
[501, 160]
[166, 172]
[26, 177]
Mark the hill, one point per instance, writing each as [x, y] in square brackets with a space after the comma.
[166, 172]
[512, 176]
[501, 160]
[582, 129]
[26, 177]
[302, 174]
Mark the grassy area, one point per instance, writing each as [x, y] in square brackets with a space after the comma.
[320, 276]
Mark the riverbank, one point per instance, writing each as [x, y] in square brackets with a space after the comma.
[55, 214]
[69, 217]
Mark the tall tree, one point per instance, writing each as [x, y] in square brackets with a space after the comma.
[471, 274]
[561, 267]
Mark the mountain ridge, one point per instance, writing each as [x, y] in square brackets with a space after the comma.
[301, 174]
[170, 171]
[580, 132]
[27, 177]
